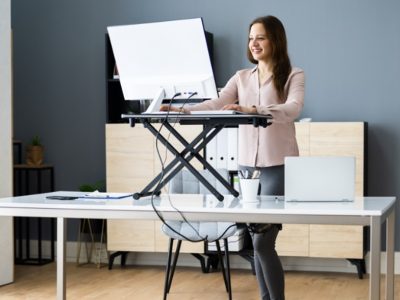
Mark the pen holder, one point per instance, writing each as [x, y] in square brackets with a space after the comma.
[249, 189]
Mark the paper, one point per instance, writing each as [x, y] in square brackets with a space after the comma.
[100, 195]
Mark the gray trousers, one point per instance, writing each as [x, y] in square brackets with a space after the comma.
[269, 271]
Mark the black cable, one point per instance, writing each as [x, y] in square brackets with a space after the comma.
[159, 214]
[162, 172]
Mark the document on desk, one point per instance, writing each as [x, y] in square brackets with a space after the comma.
[100, 195]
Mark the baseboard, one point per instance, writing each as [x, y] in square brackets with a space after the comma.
[237, 262]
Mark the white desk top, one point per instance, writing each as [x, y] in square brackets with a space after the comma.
[371, 211]
[364, 206]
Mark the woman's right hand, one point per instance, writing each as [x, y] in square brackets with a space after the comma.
[173, 108]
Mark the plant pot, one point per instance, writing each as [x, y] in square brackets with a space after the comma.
[34, 155]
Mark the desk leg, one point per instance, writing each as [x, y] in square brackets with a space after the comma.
[27, 238]
[375, 260]
[61, 237]
[390, 223]
[39, 228]
[52, 226]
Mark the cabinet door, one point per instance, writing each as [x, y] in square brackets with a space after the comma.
[336, 241]
[293, 240]
[303, 138]
[130, 235]
[129, 162]
[129, 157]
[325, 138]
[342, 139]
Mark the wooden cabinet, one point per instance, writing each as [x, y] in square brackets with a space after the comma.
[132, 161]
[328, 139]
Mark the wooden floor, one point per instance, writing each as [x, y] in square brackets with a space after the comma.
[132, 282]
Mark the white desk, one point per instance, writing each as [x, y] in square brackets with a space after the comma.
[372, 211]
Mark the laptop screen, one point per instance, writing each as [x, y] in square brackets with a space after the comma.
[319, 178]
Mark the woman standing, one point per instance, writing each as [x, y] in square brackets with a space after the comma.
[273, 87]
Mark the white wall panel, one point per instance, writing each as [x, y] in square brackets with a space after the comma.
[6, 233]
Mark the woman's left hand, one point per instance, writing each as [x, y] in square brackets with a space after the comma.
[243, 109]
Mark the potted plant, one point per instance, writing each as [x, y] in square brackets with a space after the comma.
[95, 224]
[34, 152]
[91, 228]
[98, 186]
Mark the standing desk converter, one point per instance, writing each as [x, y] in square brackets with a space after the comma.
[212, 125]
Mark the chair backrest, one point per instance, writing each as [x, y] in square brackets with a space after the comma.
[186, 183]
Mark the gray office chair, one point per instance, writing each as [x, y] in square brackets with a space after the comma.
[185, 182]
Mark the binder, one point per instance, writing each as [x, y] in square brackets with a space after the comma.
[232, 155]
[222, 149]
[211, 152]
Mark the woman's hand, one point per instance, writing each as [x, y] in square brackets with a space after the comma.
[243, 109]
[172, 108]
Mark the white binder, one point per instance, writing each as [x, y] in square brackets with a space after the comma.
[211, 152]
[222, 149]
[232, 149]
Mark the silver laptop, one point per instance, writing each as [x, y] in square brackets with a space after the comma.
[319, 178]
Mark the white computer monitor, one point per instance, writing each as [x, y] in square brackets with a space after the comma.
[158, 60]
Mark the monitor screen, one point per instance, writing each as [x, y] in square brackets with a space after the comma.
[159, 60]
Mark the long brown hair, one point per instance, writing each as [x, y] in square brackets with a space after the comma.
[281, 66]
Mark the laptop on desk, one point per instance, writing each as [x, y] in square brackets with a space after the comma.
[319, 179]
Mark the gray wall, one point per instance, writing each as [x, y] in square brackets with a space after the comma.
[348, 49]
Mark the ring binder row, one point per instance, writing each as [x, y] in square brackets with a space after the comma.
[222, 151]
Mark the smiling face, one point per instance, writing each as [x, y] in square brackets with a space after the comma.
[259, 45]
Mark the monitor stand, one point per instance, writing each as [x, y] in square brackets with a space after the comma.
[156, 102]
